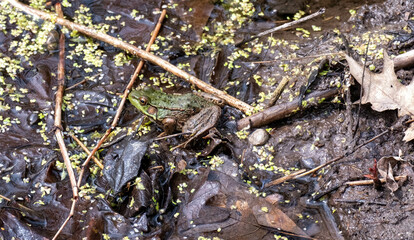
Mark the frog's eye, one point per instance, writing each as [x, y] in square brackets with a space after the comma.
[143, 101]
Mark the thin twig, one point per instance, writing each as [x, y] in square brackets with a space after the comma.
[278, 91]
[96, 160]
[58, 118]
[58, 110]
[171, 136]
[340, 157]
[71, 213]
[5, 198]
[362, 89]
[371, 181]
[409, 121]
[121, 105]
[285, 26]
[77, 84]
[285, 178]
[332, 54]
[295, 175]
[289, 24]
[65, 155]
[83, 81]
[232, 101]
[18, 204]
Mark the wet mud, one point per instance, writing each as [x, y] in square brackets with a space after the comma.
[149, 192]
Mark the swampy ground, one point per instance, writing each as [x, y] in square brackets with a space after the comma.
[221, 187]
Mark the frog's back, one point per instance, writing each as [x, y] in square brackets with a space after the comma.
[175, 101]
[179, 106]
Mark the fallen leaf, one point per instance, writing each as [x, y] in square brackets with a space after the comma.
[386, 168]
[223, 206]
[123, 164]
[384, 91]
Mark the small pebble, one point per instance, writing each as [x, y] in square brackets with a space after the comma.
[274, 198]
[33, 118]
[258, 137]
[307, 163]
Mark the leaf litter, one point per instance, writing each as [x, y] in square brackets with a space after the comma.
[384, 91]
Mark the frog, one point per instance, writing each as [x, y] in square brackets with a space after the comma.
[189, 113]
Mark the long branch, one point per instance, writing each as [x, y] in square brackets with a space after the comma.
[58, 111]
[232, 101]
[58, 119]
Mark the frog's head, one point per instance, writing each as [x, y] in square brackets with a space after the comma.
[140, 98]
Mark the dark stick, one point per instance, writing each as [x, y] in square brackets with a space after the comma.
[284, 110]
[404, 60]
[362, 89]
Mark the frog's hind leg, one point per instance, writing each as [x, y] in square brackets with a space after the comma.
[200, 123]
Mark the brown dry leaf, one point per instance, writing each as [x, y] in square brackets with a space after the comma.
[384, 91]
[225, 203]
[269, 215]
[386, 168]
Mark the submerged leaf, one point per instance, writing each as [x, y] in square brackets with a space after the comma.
[120, 170]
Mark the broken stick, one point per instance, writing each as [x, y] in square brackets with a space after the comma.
[284, 110]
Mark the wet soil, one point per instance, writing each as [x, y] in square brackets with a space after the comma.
[147, 191]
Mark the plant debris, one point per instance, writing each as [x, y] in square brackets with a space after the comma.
[386, 168]
[384, 91]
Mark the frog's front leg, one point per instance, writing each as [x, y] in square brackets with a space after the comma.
[169, 125]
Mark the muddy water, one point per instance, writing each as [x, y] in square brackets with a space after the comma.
[309, 138]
